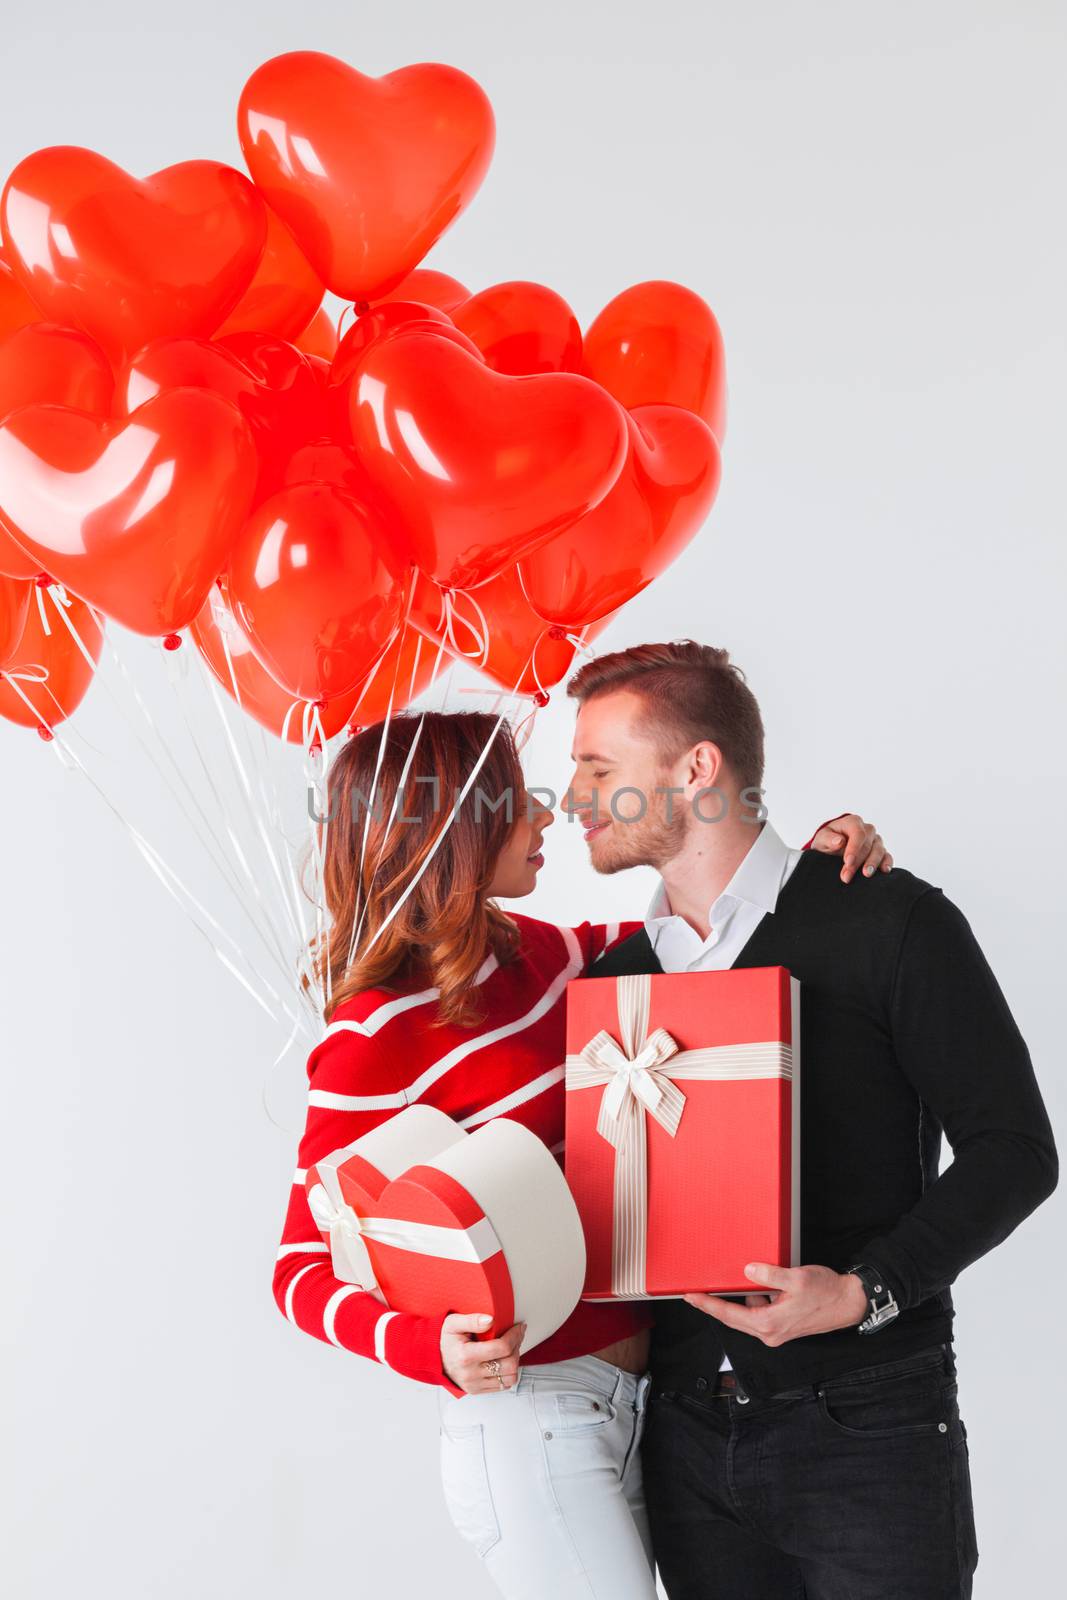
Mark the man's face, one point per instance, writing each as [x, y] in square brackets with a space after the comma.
[613, 791]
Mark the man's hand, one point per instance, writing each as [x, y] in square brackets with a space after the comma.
[802, 1300]
[859, 842]
[463, 1356]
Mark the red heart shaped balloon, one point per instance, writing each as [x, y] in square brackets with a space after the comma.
[522, 327]
[44, 364]
[319, 338]
[271, 383]
[135, 515]
[366, 172]
[496, 630]
[16, 307]
[315, 585]
[428, 288]
[125, 259]
[283, 296]
[14, 604]
[408, 664]
[663, 494]
[387, 320]
[49, 666]
[479, 468]
[658, 343]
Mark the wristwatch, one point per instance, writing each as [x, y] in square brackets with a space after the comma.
[882, 1308]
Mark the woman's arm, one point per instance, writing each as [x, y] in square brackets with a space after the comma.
[351, 1091]
[858, 841]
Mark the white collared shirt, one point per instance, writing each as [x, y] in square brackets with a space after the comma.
[750, 894]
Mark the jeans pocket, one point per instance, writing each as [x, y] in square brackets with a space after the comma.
[582, 1412]
[465, 1480]
[905, 1405]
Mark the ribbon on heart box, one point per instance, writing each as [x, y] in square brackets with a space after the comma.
[683, 1132]
[432, 1219]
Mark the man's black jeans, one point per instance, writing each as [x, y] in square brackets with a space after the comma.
[857, 1488]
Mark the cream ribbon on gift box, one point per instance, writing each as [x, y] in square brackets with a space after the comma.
[348, 1235]
[636, 1084]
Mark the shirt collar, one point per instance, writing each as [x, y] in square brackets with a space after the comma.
[756, 880]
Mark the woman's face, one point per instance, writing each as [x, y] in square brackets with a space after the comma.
[521, 860]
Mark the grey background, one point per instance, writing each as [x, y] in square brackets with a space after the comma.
[871, 198]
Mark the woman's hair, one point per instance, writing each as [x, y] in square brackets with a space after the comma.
[446, 927]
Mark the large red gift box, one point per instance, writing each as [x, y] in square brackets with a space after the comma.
[683, 1128]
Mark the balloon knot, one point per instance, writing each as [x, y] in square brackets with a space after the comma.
[43, 580]
[556, 632]
[218, 581]
[354, 728]
[43, 732]
[172, 641]
[541, 698]
[320, 705]
[360, 307]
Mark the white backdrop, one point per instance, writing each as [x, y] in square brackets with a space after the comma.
[871, 199]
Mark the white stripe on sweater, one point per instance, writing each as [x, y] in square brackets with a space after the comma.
[506, 1031]
[326, 1099]
[331, 1308]
[316, 1249]
[311, 1266]
[405, 1002]
[518, 1097]
[379, 1334]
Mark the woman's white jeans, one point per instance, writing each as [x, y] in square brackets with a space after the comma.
[544, 1480]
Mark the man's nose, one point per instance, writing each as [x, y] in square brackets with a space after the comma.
[574, 799]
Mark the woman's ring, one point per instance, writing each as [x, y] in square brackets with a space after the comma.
[494, 1367]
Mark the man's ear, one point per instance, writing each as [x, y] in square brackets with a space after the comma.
[705, 764]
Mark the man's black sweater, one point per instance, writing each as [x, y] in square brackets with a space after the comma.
[904, 1033]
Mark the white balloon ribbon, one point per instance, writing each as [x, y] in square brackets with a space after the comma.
[349, 1233]
[639, 1082]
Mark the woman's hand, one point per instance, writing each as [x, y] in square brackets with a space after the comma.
[463, 1357]
[858, 841]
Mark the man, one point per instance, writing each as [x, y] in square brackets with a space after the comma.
[808, 1441]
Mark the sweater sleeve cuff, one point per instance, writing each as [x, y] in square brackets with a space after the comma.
[822, 825]
[411, 1345]
[894, 1269]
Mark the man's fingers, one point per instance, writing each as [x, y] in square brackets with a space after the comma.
[774, 1277]
[745, 1318]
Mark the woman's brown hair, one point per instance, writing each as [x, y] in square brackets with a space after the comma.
[445, 927]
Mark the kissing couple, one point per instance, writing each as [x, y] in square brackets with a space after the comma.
[808, 1440]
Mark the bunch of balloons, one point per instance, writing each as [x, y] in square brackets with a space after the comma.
[186, 443]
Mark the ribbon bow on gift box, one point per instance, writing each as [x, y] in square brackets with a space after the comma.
[635, 1084]
[349, 1234]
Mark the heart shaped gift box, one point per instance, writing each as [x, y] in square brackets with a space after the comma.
[432, 1219]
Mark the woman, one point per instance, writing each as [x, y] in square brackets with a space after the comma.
[450, 1001]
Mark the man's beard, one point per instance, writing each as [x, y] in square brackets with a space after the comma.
[648, 842]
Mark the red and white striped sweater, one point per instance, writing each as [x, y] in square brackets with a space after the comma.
[380, 1054]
